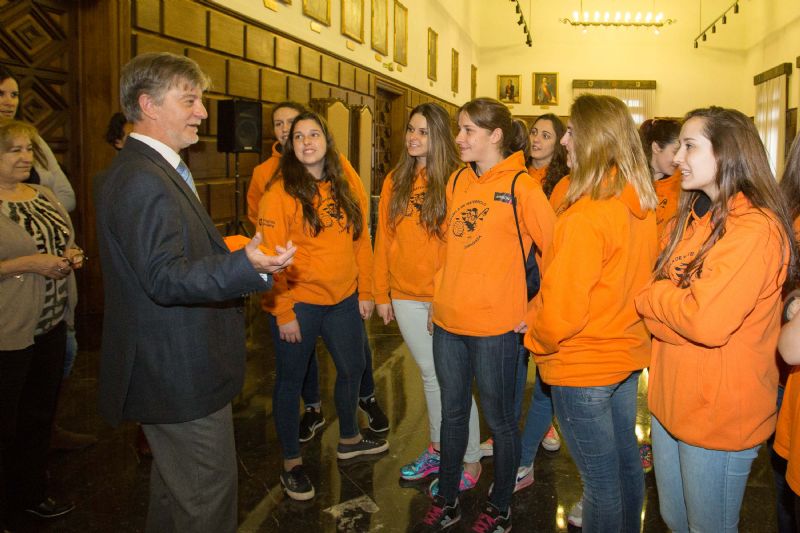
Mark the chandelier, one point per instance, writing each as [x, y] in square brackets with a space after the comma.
[619, 19]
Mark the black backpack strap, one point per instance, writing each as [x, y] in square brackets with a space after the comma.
[516, 221]
[455, 179]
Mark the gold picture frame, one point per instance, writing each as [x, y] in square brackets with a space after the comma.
[319, 10]
[508, 88]
[454, 70]
[545, 88]
[380, 26]
[353, 19]
[473, 82]
[400, 34]
[433, 43]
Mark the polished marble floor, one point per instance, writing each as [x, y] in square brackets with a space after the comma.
[109, 480]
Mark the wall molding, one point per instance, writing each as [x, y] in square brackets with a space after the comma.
[613, 84]
[774, 72]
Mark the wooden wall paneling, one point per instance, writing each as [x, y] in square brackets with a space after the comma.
[310, 63]
[243, 79]
[259, 45]
[214, 65]
[204, 160]
[247, 162]
[320, 90]
[147, 15]
[330, 70]
[347, 76]
[299, 89]
[144, 43]
[101, 55]
[209, 125]
[362, 134]
[287, 55]
[186, 21]
[362, 81]
[225, 34]
[338, 94]
[220, 197]
[273, 85]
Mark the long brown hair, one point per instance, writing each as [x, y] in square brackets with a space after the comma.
[557, 168]
[605, 137]
[662, 131]
[440, 161]
[302, 186]
[790, 182]
[742, 167]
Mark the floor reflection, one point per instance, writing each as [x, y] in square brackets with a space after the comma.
[109, 480]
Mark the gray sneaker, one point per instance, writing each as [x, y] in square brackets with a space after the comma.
[365, 446]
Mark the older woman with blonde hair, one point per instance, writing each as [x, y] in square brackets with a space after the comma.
[37, 296]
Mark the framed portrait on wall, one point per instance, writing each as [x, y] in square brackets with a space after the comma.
[508, 88]
[454, 70]
[353, 19]
[400, 34]
[473, 82]
[319, 10]
[545, 88]
[433, 43]
[380, 26]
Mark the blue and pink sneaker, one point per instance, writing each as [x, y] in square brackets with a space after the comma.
[423, 466]
[465, 483]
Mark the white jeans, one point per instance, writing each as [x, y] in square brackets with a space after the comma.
[412, 317]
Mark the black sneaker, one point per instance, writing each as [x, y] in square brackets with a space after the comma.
[492, 521]
[296, 484]
[364, 447]
[311, 421]
[439, 517]
[377, 419]
[49, 508]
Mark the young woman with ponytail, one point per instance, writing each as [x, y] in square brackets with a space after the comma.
[480, 299]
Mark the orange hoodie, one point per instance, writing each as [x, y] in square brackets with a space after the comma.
[264, 172]
[559, 194]
[787, 433]
[538, 174]
[327, 268]
[582, 327]
[668, 191]
[713, 377]
[406, 258]
[258, 183]
[480, 290]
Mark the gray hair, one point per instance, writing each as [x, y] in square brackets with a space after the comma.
[154, 74]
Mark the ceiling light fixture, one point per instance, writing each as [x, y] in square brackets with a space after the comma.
[521, 21]
[628, 19]
[723, 18]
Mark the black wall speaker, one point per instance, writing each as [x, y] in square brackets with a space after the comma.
[238, 126]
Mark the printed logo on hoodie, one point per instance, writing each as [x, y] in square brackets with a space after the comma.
[466, 221]
[415, 201]
[329, 213]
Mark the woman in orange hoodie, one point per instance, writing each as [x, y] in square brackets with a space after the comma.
[409, 246]
[786, 446]
[714, 311]
[283, 115]
[326, 292]
[547, 158]
[479, 301]
[589, 344]
[660, 144]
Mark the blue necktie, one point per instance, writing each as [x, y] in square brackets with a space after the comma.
[186, 174]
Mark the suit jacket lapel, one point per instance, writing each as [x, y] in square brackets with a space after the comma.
[178, 181]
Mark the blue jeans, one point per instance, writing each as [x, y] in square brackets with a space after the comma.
[597, 424]
[342, 330]
[310, 392]
[492, 361]
[538, 419]
[699, 490]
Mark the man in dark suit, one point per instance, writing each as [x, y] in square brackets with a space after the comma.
[173, 330]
